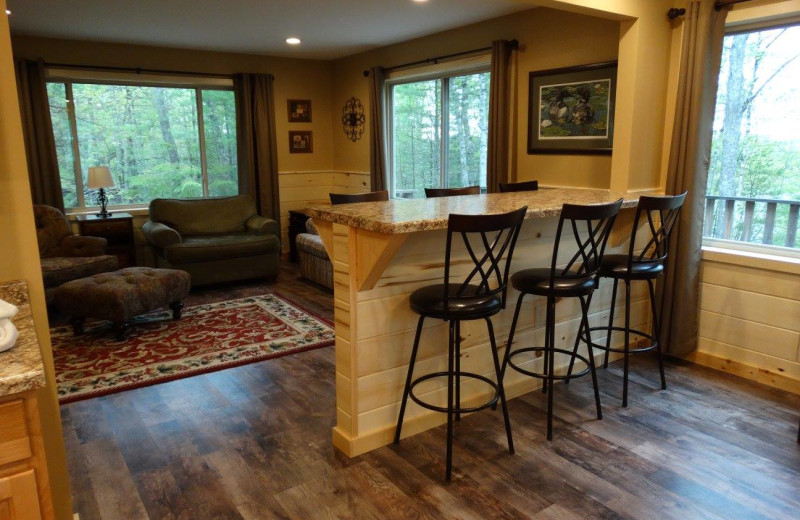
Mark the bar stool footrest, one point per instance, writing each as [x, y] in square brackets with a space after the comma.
[545, 376]
[653, 344]
[459, 410]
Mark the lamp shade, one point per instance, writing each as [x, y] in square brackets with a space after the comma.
[99, 177]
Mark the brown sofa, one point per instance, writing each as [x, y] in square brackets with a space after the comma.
[66, 257]
[215, 239]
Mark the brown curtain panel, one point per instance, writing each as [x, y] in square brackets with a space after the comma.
[703, 32]
[499, 114]
[377, 134]
[257, 141]
[40, 145]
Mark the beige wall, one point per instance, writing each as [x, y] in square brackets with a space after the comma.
[548, 39]
[20, 261]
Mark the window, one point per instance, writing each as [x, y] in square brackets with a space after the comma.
[753, 193]
[159, 138]
[438, 131]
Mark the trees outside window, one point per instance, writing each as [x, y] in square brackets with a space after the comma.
[753, 192]
[158, 141]
[439, 131]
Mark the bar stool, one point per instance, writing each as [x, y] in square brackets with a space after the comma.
[507, 187]
[480, 294]
[348, 198]
[451, 192]
[590, 226]
[641, 263]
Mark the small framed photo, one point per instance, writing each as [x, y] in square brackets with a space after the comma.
[301, 142]
[299, 110]
[571, 110]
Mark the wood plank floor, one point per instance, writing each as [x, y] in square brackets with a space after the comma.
[254, 442]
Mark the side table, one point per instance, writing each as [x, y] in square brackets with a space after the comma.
[117, 228]
[297, 225]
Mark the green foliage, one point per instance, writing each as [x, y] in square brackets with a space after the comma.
[148, 137]
[417, 122]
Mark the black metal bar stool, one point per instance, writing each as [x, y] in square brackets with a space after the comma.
[349, 198]
[641, 263]
[590, 227]
[489, 241]
[507, 187]
[451, 192]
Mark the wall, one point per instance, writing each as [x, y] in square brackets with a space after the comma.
[294, 79]
[749, 304]
[548, 39]
[20, 261]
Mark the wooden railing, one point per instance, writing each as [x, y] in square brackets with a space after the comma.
[750, 220]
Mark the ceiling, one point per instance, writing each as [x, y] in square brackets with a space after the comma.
[328, 28]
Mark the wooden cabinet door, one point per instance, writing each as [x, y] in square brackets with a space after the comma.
[18, 497]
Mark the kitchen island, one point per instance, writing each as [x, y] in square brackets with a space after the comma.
[383, 251]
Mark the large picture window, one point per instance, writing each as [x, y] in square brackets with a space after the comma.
[753, 194]
[439, 132]
[159, 140]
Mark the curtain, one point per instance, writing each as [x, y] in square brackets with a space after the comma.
[257, 142]
[40, 144]
[703, 32]
[377, 133]
[499, 113]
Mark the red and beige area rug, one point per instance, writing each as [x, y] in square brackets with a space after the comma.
[157, 349]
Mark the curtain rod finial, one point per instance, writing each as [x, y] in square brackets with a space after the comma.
[675, 12]
[366, 73]
[514, 43]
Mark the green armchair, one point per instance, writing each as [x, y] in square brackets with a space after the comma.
[215, 240]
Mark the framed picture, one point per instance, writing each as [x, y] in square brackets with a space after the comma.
[301, 142]
[571, 110]
[299, 110]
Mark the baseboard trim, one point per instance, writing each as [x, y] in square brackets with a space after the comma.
[753, 373]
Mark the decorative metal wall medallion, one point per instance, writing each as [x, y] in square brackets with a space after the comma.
[353, 119]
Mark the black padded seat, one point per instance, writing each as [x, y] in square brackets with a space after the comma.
[616, 266]
[428, 301]
[537, 281]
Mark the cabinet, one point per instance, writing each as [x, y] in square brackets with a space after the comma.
[24, 487]
[18, 497]
[117, 228]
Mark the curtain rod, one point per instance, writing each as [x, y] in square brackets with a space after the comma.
[514, 44]
[725, 3]
[136, 70]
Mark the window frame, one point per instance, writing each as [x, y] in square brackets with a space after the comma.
[736, 247]
[441, 71]
[70, 76]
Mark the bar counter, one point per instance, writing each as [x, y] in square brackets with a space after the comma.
[383, 251]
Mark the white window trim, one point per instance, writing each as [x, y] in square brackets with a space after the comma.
[460, 67]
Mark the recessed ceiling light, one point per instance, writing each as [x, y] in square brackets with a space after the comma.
[8, 11]
[419, 1]
[293, 41]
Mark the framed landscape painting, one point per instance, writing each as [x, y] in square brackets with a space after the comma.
[571, 110]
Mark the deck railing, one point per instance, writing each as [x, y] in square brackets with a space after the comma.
[765, 221]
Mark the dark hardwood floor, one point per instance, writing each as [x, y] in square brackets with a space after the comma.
[254, 442]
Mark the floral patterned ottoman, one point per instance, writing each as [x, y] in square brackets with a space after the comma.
[120, 295]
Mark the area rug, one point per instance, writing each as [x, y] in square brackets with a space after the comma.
[157, 349]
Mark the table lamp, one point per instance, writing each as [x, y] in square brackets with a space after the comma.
[99, 177]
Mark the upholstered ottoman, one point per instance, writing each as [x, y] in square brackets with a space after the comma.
[120, 295]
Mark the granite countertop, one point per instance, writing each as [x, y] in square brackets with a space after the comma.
[21, 367]
[406, 216]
